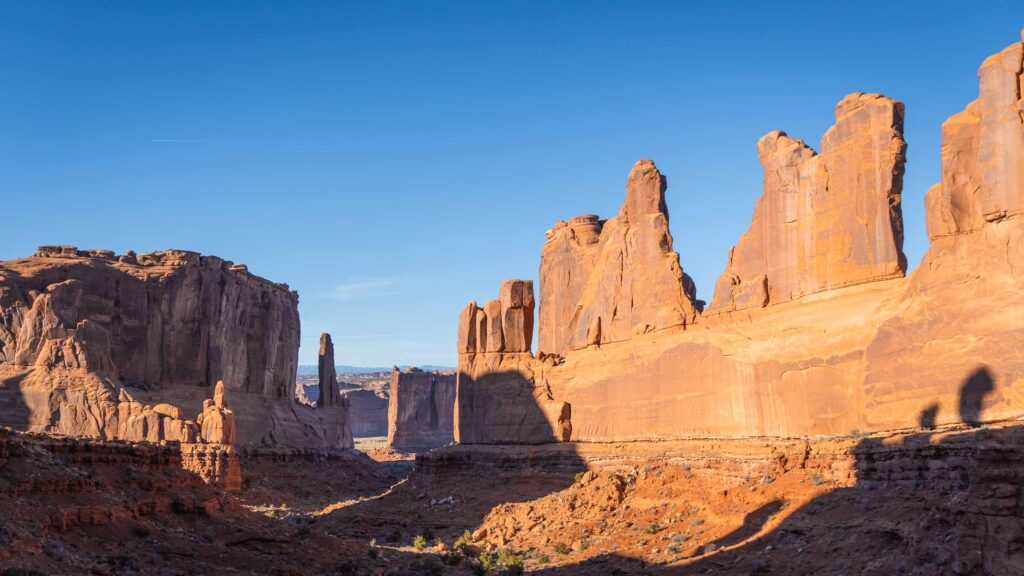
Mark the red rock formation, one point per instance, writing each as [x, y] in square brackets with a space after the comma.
[328, 377]
[367, 412]
[824, 221]
[855, 347]
[501, 394]
[90, 341]
[217, 420]
[983, 153]
[604, 282]
[421, 408]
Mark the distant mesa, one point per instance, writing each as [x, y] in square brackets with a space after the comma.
[93, 344]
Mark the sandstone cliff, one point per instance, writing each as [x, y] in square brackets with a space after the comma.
[831, 339]
[421, 407]
[93, 344]
[824, 221]
[603, 282]
[501, 395]
[367, 412]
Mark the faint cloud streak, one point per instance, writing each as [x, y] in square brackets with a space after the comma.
[363, 288]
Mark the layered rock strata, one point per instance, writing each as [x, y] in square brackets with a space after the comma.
[836, 341]
[501, 393]
[421, 410]
[605, 281]
[824, 220]
[117, 347]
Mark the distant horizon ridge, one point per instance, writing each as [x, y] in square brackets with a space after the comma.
[307, 369]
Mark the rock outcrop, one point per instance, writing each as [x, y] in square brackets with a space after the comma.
[421, 409]
[605, 281]
[851, 346]
[367, 412]
[217, 420]
[983, 153]
[501, 395]
[824, 221]
[328, 377]
[118, 347]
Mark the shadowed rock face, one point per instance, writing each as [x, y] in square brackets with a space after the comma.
[367, 412]
[813, 329]
[824, 221]
[328, 377]
[500, 396]
[90, 340]
[421, 407]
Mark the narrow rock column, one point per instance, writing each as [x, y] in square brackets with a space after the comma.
[329, 393]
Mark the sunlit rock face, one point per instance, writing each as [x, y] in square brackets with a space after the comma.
[813, 328]
[826, 220]
[983, 153]
[90, 341]
[605, 281]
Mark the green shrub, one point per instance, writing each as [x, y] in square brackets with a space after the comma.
[653, 528]
[419, 542]
[452, 557]
[579, 476]
[462, 544]
[477, 568]
[561, 548]
[488, 560]
[544, 559]
[508, 557]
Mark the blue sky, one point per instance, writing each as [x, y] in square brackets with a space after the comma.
[394, 160]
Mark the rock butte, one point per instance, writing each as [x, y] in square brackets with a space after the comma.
[119, 347]
[421, 410]
[367, 412]
[812, 329]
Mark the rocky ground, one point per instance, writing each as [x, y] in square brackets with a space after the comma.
[917, 503]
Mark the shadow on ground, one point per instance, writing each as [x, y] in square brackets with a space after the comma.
[453, 488]
[936, 503]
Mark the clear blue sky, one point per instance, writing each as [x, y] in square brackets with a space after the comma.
[394, 160]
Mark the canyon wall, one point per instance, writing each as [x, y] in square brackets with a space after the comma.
[87, 338]
[813, 329]
[421, 409]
